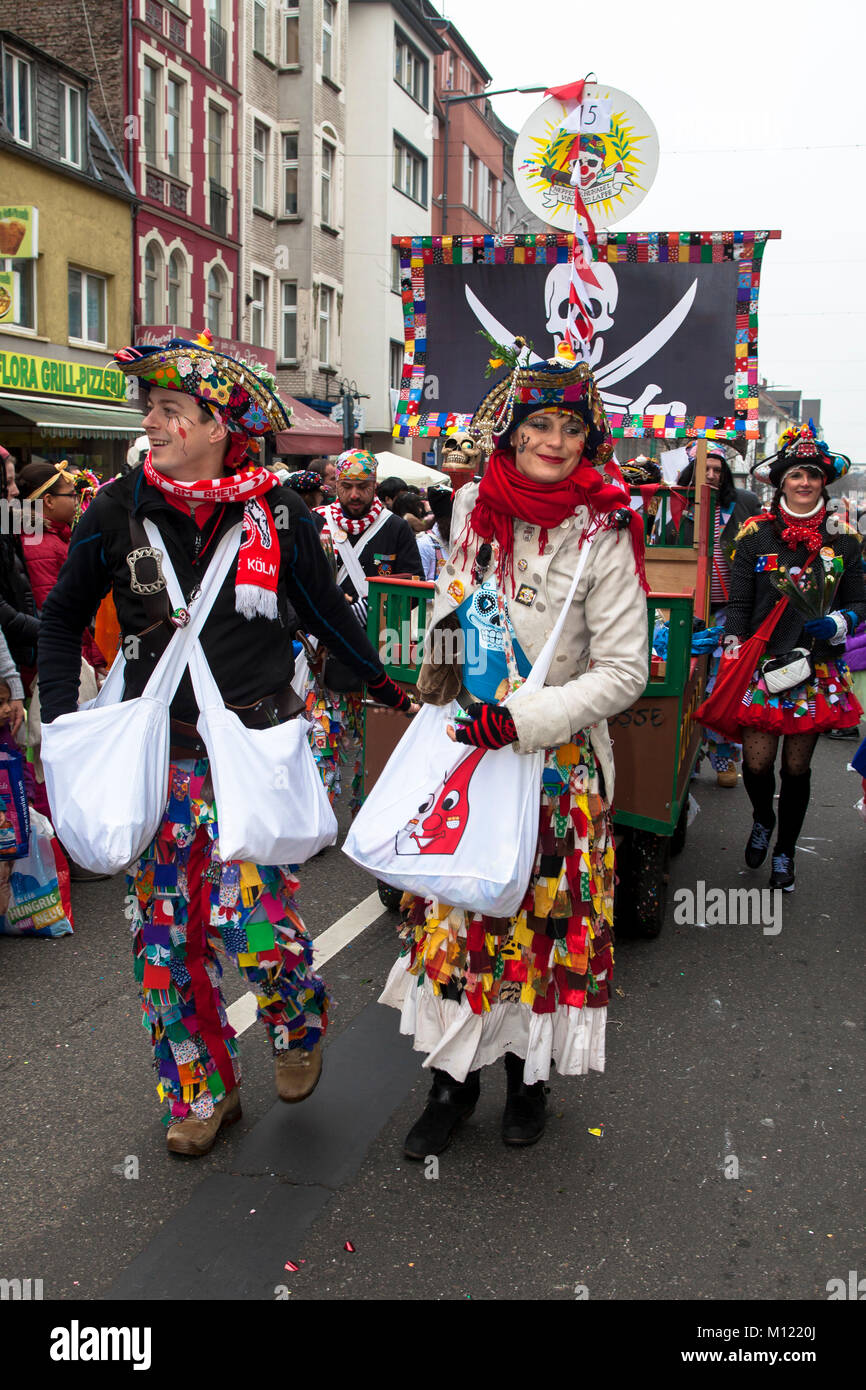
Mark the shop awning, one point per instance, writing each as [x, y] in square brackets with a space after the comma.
[67, 420]
[311, 433]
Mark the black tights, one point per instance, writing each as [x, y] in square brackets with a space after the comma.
[759, 756]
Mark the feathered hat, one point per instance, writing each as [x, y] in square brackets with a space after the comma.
[799, 447]
[561, 383]
[243, 398]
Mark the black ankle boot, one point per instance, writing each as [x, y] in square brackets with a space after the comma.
[449, 1102]
[523, 1119]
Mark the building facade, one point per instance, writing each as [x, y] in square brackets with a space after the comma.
[468, 148]
[164, 81]
[65, 266]
[389, 189]
[184, 112]
[292, 176]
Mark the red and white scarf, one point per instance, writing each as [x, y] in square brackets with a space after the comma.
[352, 525]
[259, 556]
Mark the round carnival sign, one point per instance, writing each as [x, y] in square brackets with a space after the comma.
[607, 148]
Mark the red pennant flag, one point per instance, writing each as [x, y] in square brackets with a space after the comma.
[570, 91]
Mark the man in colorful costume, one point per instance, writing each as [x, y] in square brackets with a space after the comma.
[357, 524]
[205, 415]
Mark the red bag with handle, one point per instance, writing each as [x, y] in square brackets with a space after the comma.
[722, 709]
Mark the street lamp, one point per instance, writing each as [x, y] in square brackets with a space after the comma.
[448, 102]
[349, 394]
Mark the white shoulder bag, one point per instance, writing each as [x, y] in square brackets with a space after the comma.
[271, 805]
[458, 823]
[106, 764]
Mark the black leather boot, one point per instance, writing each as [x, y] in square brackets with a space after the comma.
[449, 1102]
[523, 1119]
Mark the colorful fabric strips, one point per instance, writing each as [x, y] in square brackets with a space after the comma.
[184, 902]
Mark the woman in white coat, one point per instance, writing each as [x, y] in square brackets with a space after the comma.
[532, 988]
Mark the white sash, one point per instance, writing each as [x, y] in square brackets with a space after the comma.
[350, 554]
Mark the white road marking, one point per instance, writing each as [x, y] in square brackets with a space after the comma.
[242, 1013]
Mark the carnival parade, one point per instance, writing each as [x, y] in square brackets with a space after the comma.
[432, 685]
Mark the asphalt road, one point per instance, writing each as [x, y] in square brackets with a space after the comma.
[725, 1043]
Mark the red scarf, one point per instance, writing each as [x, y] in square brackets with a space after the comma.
[259, 556]
[798, 530]
[352, 525]
[506, 495]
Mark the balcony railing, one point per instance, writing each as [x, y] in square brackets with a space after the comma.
[219, 203]
[218, 49]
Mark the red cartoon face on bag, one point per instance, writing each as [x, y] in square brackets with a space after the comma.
[438, 826]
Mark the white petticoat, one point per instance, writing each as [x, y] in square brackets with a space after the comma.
[459, 1041]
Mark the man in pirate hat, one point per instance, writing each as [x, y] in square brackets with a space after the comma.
[205, 414]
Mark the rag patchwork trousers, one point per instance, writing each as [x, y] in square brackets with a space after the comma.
[185, 904]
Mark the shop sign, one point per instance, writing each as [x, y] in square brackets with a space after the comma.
[7, 297]
[19, 232]
[47, 376]
[252, 356]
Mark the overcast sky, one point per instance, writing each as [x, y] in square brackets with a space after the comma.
[761, 116]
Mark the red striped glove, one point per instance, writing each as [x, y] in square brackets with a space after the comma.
[387, 692]
[488, 726]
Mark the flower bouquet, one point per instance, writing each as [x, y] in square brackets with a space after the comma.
[811, 590]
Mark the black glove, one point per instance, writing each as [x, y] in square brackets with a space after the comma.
[387, 692]
[488, 726]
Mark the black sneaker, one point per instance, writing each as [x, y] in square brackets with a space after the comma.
[783, 872]
[758, 844]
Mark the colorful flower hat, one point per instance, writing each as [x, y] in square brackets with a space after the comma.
[243, 399]
[800, 447]
[560, 383]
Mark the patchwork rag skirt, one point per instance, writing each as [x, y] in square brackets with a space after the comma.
[186, 905]
[336, 734]
[825, 700]
[471, 988]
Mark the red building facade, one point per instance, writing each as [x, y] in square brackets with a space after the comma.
[467, 183]
[165, 87]
[182, 149]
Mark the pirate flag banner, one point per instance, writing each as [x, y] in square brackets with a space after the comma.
[674, 320]
[609, 137]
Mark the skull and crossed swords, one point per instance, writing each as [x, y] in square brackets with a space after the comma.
[606, 374]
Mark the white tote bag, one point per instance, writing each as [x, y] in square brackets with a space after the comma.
[106, 764]
[453, 822]
[271, 805]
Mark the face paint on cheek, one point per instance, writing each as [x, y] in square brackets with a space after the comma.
[522, 442]
[177, 428]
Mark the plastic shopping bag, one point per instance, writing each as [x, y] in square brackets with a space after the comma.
[452, 822]
[34, 903]
[14, 811]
